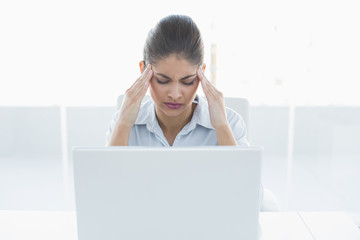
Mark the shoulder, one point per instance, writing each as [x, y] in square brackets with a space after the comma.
[233, 116]
[238, 127]
[146, 112]
[236, 121]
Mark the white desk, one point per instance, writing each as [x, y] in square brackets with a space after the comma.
[45, 225]
[330, 225]
[283, 225]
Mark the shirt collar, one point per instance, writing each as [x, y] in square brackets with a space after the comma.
[147, 115]
[200, 116]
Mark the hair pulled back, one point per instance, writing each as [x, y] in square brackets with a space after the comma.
[174, 34]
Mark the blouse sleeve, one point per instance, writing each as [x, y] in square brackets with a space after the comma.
[111, 127]
[238, 127]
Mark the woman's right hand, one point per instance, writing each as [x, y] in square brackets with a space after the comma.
[132, 100]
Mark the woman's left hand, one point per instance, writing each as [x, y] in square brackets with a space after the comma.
[215, 100]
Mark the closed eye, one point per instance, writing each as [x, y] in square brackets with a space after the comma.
[167, 81]
[162, 82]
[189, 83]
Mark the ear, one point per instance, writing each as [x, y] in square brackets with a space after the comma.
[203, 67]
[142, 66]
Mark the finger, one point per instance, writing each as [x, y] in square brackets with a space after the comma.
[142, 87]
[211, 92]
[204, 87]
[209, 84]
[139, 79]
[143, 78]
[148, 78]
[145, 73]
[145, 84]
[203, 80]
[200, 76]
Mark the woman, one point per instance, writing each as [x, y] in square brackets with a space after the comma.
[172, 70]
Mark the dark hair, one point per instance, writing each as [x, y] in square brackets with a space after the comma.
[174, 34]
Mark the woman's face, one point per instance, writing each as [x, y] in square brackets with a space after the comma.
[173, 85]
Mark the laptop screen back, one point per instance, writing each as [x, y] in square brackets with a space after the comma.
[167, 193]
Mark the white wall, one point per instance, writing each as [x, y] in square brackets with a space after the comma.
[78, 53]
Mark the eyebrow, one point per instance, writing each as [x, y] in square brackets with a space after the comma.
[164, 76]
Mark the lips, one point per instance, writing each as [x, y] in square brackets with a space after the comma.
[173, 105]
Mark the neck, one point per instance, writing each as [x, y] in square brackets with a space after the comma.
[174, 124]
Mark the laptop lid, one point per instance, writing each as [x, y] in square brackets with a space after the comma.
[167, 193]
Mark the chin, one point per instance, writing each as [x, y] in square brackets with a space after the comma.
[172, 112]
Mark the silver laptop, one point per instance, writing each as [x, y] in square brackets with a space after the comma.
[131, 193]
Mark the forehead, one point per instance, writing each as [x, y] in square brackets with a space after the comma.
[175, 66]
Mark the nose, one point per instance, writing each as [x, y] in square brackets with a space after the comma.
[175, 92]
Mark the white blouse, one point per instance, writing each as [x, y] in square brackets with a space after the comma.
[198, 132]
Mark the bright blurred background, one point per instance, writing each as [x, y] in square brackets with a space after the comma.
[297, 62]
[87, 52]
